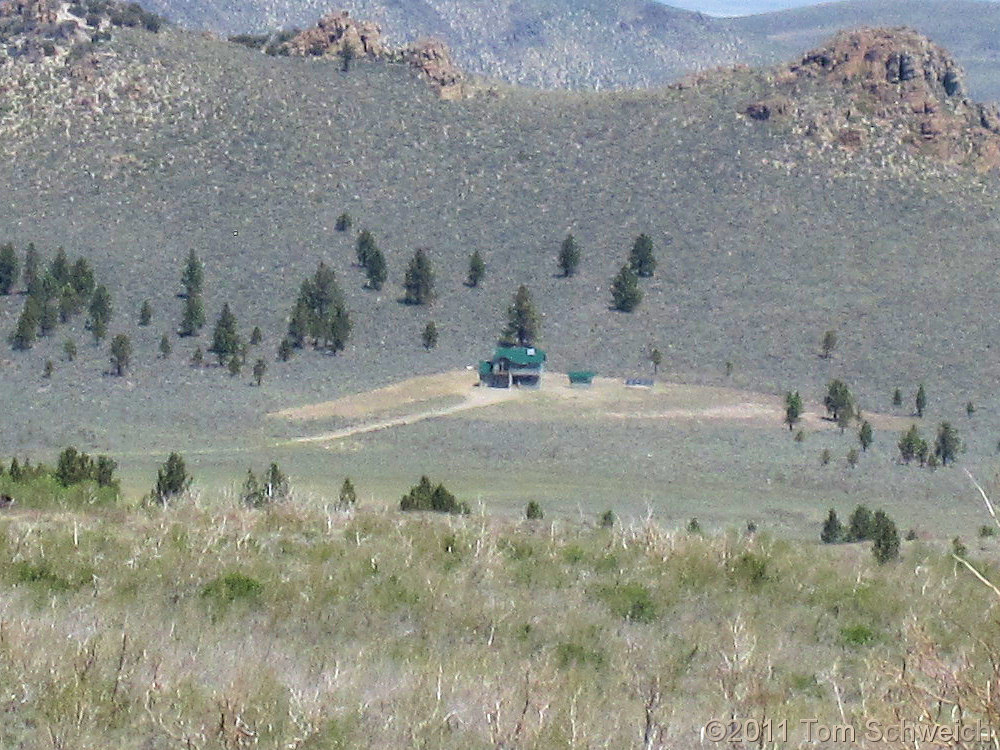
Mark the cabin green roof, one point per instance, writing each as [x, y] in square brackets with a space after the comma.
[485, 368]
[520, 355]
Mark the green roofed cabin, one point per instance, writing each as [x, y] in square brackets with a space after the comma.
[513, 365]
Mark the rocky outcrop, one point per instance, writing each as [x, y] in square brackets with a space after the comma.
[41, 29]
[339, 34]
[335, 33]
[883, 86]
[432, 59]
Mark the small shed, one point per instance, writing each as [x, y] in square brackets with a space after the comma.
[582, 378]
[513, 365]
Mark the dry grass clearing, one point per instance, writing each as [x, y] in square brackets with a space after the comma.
[420, 398]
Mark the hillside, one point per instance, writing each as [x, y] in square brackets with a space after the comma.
[618, 44]
[182, 142]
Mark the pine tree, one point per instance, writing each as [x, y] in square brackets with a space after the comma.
[828, 344]
[365, 244]
[343, 223]
[145, 313]
[348, 495]
[256, 336]
[234, 366]
[32, 263]
[865, 436]
[252, 496]
[656, 357]
[793, 409]
[419, 280]
[298, 324]
[59, 267]
[897, 398]
[569, 256]
[48, 317]
[947, 444]
[429, 337]
[259, 368]
[885, 538]
[226, 337]
[347, 55]
[911, 445]
[82, 279]
[641, 259]
[48, 369]
[171, 479]
[198, 358]
[9, 268]
[375, 269]
[26, 330]
[121, 354]
[833, 529]
[100, 313]
[477, 269]
[625, 292]
[921, 400]
[193, 276]
[69, 303]
[69, 349]
[193, 317]
[860, 525]
[523, 324]
[285, 350]
[838, 400]
[165, 347]
[533, 511]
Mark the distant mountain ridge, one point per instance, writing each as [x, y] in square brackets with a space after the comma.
[591, 44]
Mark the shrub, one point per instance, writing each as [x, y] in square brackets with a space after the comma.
[533, 511]
[693, 527]
[987, 531]
[344, 222]
[858, 635]
[425, 496]
[749, 570]
[607, 519]
[232, 587]
[630, 601]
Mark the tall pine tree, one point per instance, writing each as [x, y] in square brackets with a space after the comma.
[641, 259]
[193, 276]
[9, 268]
[226, 336]
[419, 280]
[522, 321]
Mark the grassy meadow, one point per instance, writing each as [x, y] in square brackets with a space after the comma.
[207, 625]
